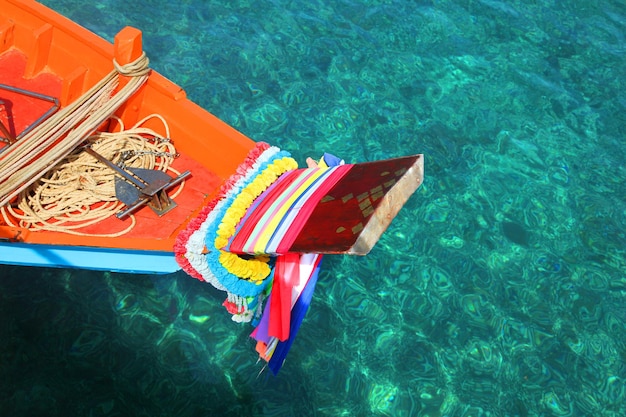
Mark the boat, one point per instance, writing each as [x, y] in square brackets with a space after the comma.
[105, 164]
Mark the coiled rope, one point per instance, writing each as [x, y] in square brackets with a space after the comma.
[43, 147]
[80, 191]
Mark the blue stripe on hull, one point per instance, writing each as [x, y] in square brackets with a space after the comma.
[114, 260]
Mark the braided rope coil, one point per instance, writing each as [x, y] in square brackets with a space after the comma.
[80, 191]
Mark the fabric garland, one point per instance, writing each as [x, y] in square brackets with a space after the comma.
[257, 211]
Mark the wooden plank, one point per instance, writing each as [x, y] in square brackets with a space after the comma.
[356, 211]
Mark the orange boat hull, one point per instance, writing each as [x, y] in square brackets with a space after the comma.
[43, 51]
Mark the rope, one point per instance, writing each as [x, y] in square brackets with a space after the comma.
[43, 147]
[133, 69]
[80, 191]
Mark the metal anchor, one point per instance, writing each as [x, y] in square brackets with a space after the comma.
[138, 187]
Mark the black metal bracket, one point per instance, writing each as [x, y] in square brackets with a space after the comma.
[138, 187]
[55, 106]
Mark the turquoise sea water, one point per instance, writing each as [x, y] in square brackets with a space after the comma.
[499, 290]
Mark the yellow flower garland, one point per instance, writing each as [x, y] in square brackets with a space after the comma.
[255, 269]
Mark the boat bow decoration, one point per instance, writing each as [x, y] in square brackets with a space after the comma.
[255, 241]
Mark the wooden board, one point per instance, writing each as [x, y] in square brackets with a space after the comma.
[356, 211]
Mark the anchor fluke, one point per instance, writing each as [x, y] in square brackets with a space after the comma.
[137, 187]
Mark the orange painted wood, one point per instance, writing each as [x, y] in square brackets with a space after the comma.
[17, 111]
[6, 35]
[39, 51]
[74, 61]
